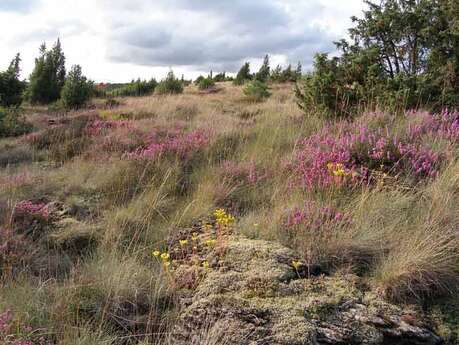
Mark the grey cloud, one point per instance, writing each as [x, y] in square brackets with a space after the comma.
[228, 32]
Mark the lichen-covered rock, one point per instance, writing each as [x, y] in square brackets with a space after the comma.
[257, 297]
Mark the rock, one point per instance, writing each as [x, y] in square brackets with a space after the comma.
[256, 297]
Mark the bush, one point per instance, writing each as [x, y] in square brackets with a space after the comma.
[243, 75]
[135, 88]
[12, 123]
[48, 76]
[206, 83]
[77, 89]
[171, 85]
[11, 88]
[403, 55]
[256, 91]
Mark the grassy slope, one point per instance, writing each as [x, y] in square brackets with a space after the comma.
[90, 268]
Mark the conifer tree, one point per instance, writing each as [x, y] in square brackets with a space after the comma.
[48, 76]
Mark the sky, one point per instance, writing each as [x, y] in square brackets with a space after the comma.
[118, 40]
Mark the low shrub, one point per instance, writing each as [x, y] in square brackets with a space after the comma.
[206, 83]
[256, 91]
[350, 154]
[12, 123]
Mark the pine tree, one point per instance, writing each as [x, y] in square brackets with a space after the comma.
[11, 87]
[48, 76]
[77, 89]
[263, 73]
[298, 71]
[243, 75]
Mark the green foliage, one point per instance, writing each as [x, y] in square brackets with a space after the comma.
[11, 88]
[170, 85]
[206, 83]
[48, 76]
[12, 123]
[263, 73]
[220, 77]
[243, 75]
[256, 91]
[77, 89]
[278, 75]
[135, 88]
[403, 54]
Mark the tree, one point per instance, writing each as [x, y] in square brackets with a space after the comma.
[77, 89]
[402, 53]
[243, 75]
[263, 73]
[11, 87]
[48, 76]
[170, 85]
[298, 71]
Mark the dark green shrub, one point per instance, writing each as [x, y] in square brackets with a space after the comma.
[77, 89]
[48, 76]
[403, 54]
[170, 85]
[11, 87]
[256, 91]
[243, 75]
[135, 88]
[264, 72]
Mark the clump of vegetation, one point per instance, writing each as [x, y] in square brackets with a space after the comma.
[11, 87]
[77, 89]
[170, 85]
[256, 91]
[243, 75]
[206, 83]
[13, 123]
[48, 76]
[279, 75]
[136, 88]
[264, 72]
[403, 54]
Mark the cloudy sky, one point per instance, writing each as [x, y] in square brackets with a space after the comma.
[117, 40]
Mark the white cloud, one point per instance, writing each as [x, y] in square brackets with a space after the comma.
[117, 40]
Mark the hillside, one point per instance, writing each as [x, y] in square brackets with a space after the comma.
[210, 218]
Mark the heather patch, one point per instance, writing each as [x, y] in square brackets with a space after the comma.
[351, 155]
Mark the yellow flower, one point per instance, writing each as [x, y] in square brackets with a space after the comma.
[167, 263]
[205, 264]
[256, 225]
[165, 256]
[194, 236]
[156, 253]
[183, 242]
[296, 264]
[210, 242]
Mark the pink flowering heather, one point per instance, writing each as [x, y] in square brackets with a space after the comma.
[356, 154]
[443, 125]
[15, 180]
[314, 217]
[12, 333]
[27, 207]
[244, 172]
[13, 247]
[98, 126]
[171, 142]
